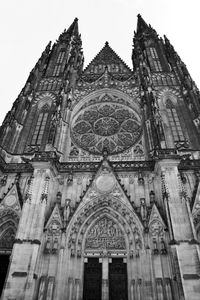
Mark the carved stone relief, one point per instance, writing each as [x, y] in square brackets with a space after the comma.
[105, 234]
[7, 240]
[114, 127]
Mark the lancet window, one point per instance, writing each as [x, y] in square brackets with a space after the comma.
[39, 128]
[154, 59]
[60, 57]
[174, 121]
[59, 61]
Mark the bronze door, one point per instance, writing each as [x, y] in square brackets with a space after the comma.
[118, 289]
[92, 279]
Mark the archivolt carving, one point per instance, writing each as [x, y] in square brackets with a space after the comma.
[108, 210]
[8, 227]
[167, 93]
[45, 98]
[7, 238]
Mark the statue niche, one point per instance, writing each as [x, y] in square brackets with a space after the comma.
[105, 234]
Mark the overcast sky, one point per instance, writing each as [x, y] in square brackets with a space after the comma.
[26, 26]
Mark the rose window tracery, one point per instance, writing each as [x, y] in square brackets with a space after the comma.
[111, 126]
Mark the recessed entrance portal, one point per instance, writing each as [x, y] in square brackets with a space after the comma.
[4, 262]
[92, 279]
[113, 271]
[118, 289]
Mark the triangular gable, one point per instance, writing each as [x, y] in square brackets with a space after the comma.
[106, 182]
[105, 233]
[107, 59]
[54, 220]
[11, 200]
[156, 223]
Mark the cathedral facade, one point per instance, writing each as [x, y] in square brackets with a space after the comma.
[99, 176]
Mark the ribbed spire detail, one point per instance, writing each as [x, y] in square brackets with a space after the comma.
[142, 27]
[72, 30]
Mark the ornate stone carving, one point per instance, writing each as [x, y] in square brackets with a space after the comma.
[53, 228]
[7, 240]
[156, 224]
[156, 228]
[114, 127]
[105, 234]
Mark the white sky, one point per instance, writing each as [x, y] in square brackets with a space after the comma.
[26, 26]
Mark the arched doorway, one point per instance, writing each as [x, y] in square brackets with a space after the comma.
[105, 258]
[104, 235]
[8, 228]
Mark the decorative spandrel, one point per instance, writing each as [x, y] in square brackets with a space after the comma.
[111, 126]
[105, 234]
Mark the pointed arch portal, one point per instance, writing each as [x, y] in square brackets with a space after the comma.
[8, 227]
[104, 235]
[106, 274]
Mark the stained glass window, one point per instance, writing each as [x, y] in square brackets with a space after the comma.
[39, 129]
[154, 59]
[59, 61]
[174, 122]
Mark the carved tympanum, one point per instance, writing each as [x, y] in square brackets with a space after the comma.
[105, 234]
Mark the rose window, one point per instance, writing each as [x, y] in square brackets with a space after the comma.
[111, 126]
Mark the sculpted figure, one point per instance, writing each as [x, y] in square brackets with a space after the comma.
[67, 210]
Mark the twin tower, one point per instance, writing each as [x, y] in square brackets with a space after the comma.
[99, 176]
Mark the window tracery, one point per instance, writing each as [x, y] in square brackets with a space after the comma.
[174, 121]
[154, 59]
[40, 127]
[110, 126]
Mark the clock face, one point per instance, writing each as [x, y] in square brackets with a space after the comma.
[10, 200]
[113, 126]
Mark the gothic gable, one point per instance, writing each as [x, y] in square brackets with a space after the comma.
[156, 223]
[11, 200]
[104, 184]
[10, 211]
[53, 231]
[55, 222]
[106, 59]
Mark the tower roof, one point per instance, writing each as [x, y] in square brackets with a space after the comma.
[72, 30]
[107, 58]
[142, 27]
[141, 24]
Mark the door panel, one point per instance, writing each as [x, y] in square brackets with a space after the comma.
[118, 289]
[92, 279]
[4, 262]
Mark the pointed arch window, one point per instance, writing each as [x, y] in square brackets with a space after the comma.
[154, 60]
[39, 128]
[59, 61]
[60, 57]
[174, 121]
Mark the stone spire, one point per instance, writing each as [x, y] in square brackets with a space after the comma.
[72, 30]
[143, 27]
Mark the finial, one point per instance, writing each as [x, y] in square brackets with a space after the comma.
[105, 152]
[106, 43]
[139, 15]
[76, 20]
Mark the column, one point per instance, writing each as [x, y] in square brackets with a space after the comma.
[21, 280]
[105, 267]
[183, 245]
